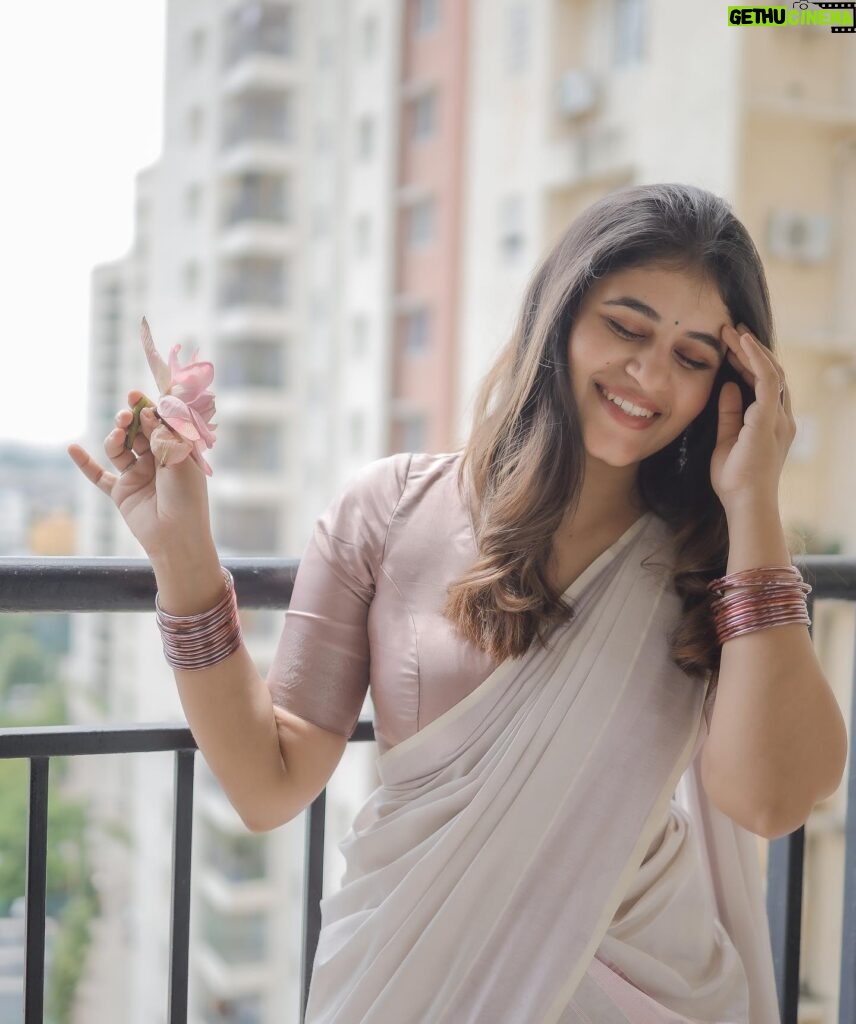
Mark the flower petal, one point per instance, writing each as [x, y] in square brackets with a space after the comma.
[159, 368]
[178, 416]
[197, 457]
[167, 449]
[206, 431]
[203, 404]
[194, 377]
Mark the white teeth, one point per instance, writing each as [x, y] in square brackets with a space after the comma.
[628, 407]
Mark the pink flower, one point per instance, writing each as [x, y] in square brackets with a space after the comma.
[186, 406]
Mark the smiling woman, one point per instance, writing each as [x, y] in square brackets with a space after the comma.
[542, 716]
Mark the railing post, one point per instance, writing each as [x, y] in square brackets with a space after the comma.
[37, 861]
[313, 886]
[179, 926]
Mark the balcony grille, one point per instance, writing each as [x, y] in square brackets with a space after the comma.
[116, 584]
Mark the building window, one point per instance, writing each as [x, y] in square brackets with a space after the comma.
[417, 328]
[511, 231]
[237, 938]
[247, 529]
[629, 31]
[259, 116]
[196, 46]
[413, 434]
[365, 137]
[192, 201]
[518, 26]
[257, 28]
[423, 113]
[420, 223]
[195, 123]
[255, 281]
[426, 15]
[252, 363]
[368, 37]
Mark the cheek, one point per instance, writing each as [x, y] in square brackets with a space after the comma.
[697, 403]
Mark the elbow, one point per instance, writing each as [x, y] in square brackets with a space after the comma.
[258, 826]
[778, 824]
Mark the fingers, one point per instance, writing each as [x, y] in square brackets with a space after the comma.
[124, 419]
[91, 469]
[744, 360]
[755, 362]
[114, 447]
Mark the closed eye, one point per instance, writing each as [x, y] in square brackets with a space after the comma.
[624, 333]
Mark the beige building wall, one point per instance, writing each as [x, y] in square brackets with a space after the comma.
[426, 282]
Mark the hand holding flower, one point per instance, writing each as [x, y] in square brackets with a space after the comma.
[167, 512]
[185, 409]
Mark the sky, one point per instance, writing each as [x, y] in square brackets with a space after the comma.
[81, 97]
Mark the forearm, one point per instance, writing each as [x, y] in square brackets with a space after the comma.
[228, 706]
[776, 730]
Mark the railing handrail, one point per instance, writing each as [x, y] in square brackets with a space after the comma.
[89, 584]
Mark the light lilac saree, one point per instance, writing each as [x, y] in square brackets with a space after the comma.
[484, 872]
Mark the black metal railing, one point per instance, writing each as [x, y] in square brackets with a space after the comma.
[116, 584]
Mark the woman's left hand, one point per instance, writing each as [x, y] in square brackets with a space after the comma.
[751, 449]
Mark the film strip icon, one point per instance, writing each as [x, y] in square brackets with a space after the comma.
[837, 7]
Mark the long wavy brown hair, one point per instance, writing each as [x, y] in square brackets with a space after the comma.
[525, 453]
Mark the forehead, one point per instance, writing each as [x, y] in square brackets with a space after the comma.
[672, 293]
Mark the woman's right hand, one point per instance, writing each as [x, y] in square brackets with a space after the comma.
[166, 508]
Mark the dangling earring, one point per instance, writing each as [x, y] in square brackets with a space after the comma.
[682, 455]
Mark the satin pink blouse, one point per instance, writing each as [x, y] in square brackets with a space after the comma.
[365, 612]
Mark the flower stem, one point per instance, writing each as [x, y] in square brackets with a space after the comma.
[134, 427]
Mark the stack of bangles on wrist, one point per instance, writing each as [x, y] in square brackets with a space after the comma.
[199, 641]
[757, 598]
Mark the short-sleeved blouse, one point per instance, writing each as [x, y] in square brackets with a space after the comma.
[366, 608]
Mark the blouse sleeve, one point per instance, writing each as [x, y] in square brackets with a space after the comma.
[320, 670]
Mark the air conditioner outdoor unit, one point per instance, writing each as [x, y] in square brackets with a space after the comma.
[576, 92]
[799, 237]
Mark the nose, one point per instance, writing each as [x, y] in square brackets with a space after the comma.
[651, 373]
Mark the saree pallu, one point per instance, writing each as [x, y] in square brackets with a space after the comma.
[484, 872]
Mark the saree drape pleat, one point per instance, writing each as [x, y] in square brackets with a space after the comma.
[484, 871]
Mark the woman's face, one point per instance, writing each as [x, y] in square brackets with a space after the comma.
[662, 364]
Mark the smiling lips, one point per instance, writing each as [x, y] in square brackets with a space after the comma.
[627, 419]
[629, 396]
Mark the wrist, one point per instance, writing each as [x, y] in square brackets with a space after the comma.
[189, 581]
[754, 506]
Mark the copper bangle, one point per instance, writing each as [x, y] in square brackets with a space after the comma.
[759, 598]
[201, 640]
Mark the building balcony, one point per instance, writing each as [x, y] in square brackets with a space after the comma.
[801, 110]
[127, 585]
[259, 30]
[240, 320]
[594, 153]
[257, 70]
[263, 237]
[256, 155]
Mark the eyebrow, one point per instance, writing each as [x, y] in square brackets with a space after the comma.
[652, 314]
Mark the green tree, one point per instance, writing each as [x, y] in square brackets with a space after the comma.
[22, 661]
